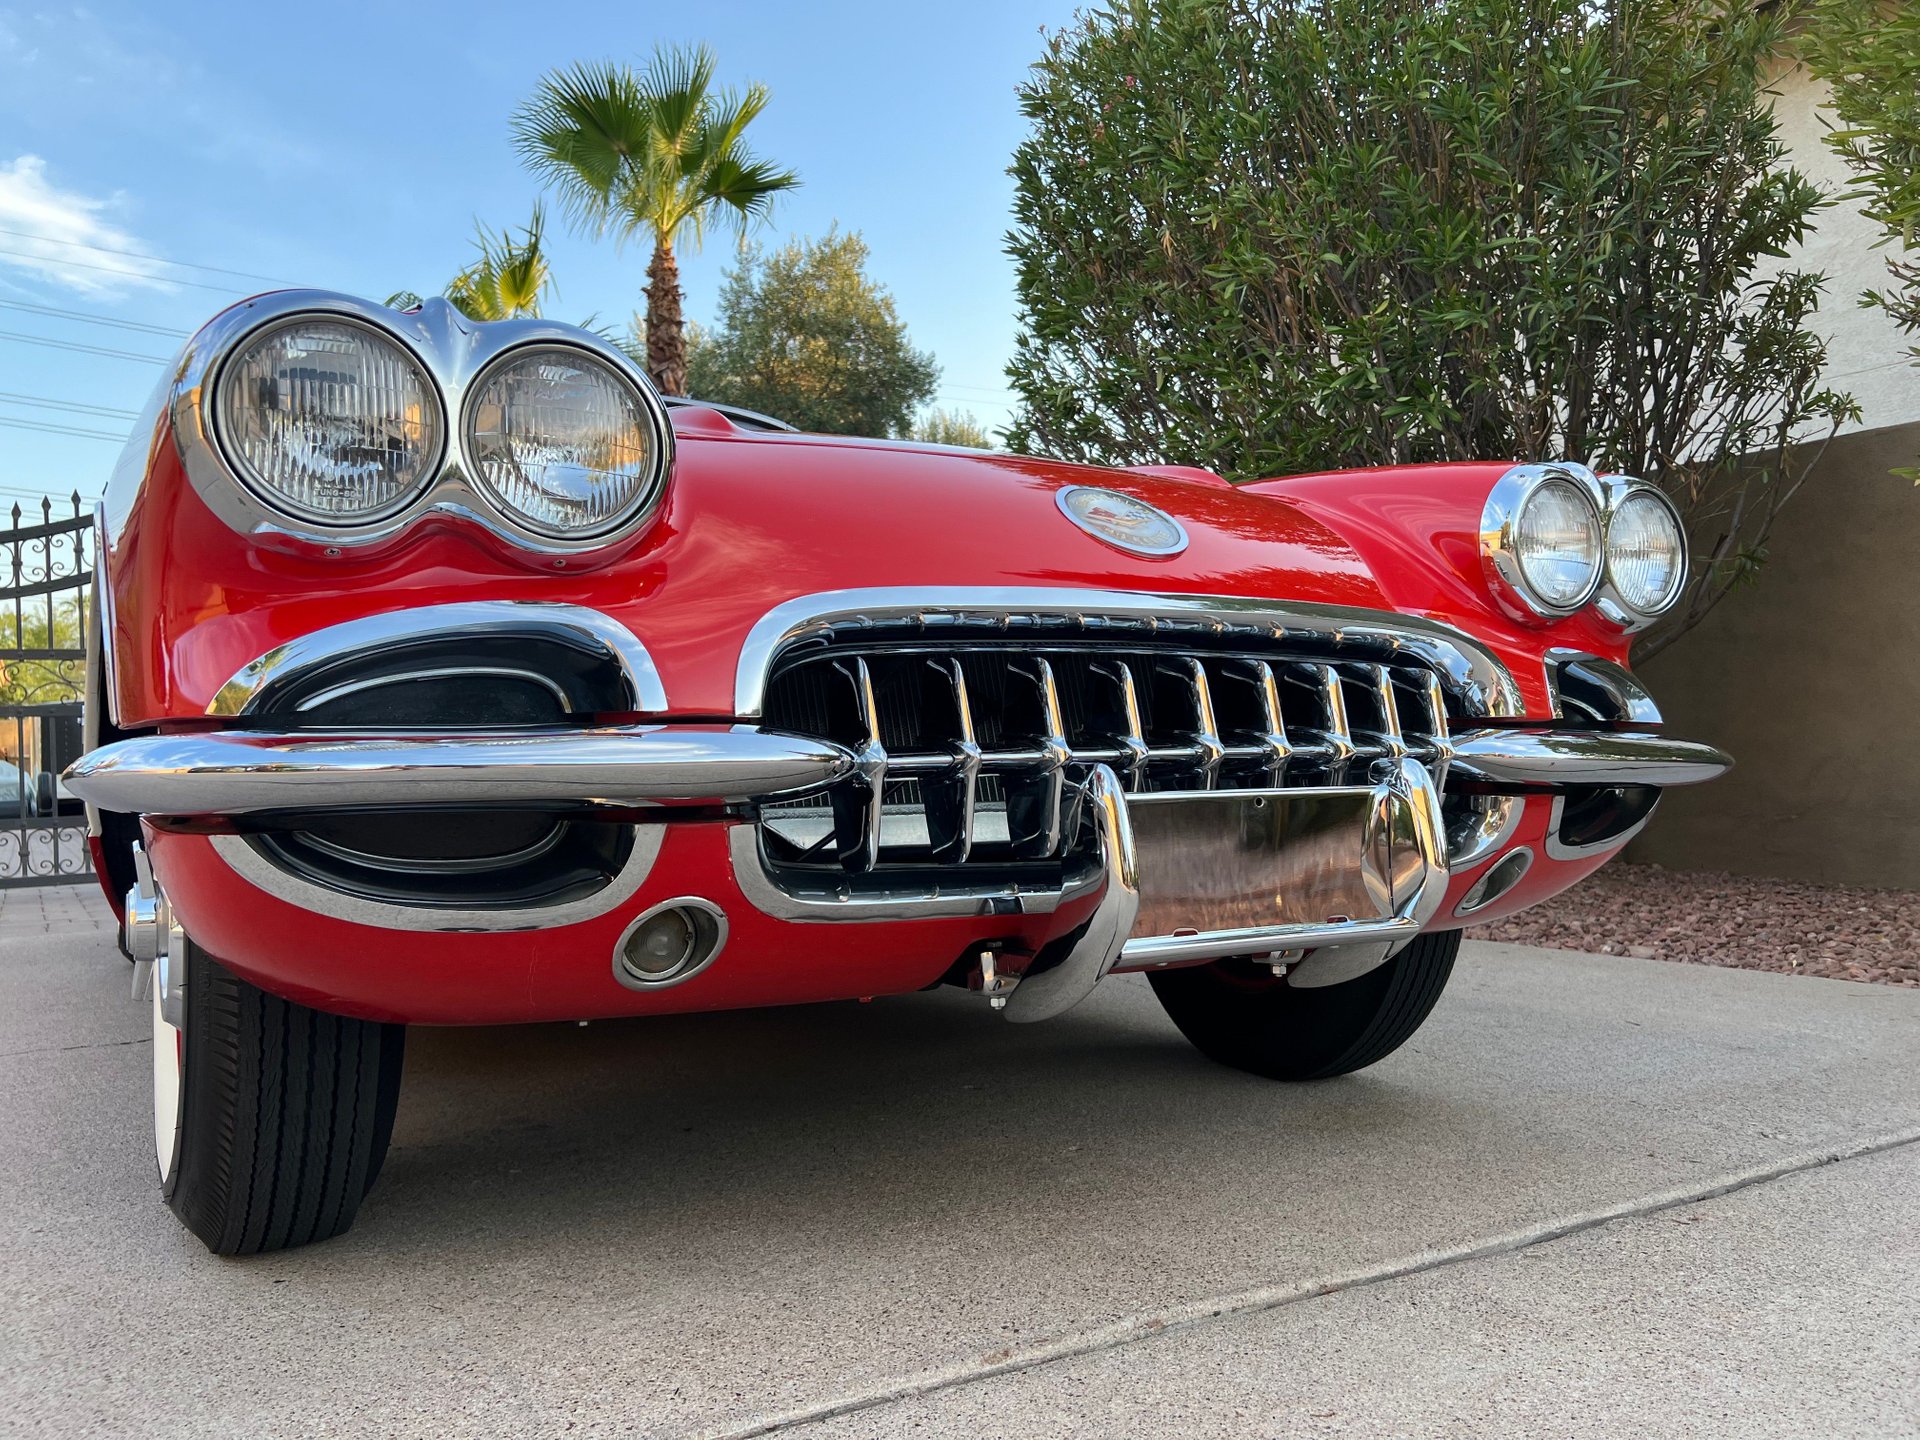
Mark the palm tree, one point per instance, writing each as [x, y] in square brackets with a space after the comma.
[507, 281]
[659, 154]
[509, 278]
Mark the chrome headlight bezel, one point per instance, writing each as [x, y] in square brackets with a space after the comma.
[1499, 550]
[653, 413]
[455, 352]
[220, 424]
[1609, 600]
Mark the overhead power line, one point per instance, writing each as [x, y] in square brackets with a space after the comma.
[141, 255]
[47, 402]
[10, 421]
[83, 349]
[118, 324]
[123, 272]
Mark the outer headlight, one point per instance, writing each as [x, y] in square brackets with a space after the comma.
[564, 442]
[1543, 539]
[1646, 552]
[330, 420]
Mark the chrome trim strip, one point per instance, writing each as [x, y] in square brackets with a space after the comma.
[1558, 849]
[455, 352]
[287, 663]
[1103, 939]
[237, 772]
[253, 867]
[1470, 669]
[1585, 757]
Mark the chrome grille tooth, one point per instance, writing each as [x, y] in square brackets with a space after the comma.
[1132, 742]
[858, 805]
[1440, 736]
[1035, 826]
[1393, 740]
[950, 792]
[1279, 749]
[1204, 750]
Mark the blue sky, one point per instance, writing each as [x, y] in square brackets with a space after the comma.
[353, 147]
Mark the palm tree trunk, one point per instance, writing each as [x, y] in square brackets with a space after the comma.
[666, 329]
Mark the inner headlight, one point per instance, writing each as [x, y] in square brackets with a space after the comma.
[564, 443]
[1557, 545]
[329, 420]
[1646, 552]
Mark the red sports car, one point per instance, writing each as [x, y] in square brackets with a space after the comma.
[447, 674]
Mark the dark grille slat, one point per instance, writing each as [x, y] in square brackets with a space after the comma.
[973, 752]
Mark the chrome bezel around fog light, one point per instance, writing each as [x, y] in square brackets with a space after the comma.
[455, 352]
[1608, 600]
[1499, 550]
[707, 936]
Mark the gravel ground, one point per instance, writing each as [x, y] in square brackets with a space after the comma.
[1707, 918]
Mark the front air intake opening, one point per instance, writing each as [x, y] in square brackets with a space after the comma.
[459, 859]
[485, 680]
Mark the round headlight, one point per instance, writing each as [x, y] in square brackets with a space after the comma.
[564, 442]
[329, 420]
[1646, 552]
[1557, 545]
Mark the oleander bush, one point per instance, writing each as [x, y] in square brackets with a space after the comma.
[1279, 235]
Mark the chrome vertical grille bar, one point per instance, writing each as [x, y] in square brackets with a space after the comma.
[1131, 741]
[1259, 673]
[858, 807]
[1204, 737]
[952, 797]
[1035, 825]
[1391, 736]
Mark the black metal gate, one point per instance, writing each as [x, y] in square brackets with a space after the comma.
[46, 565]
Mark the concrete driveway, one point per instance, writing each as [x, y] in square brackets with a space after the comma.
[1594, 1196]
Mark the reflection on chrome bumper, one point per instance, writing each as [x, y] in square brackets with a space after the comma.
[1585, 757]
[237, 772]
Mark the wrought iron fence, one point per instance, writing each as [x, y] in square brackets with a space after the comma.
[47, 568]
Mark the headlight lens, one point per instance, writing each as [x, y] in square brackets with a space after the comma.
[1557, 544]
[330, 420]
[564, 442]
[1646, 553]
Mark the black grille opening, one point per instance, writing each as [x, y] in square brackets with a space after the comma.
[982, 747]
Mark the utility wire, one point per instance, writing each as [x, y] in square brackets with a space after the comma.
[140, 255]
[123, 272]
[142, 326]
[43, 402]
[83, 349]
[9, 420]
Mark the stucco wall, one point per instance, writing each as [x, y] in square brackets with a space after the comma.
[1866, 354]
[1811, 679]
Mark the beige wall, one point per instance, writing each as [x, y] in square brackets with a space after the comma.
[1811, 679]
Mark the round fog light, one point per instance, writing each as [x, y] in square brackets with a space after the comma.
[671, 942]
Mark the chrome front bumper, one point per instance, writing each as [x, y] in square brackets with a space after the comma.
[240, 772]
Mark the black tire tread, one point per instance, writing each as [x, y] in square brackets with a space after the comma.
[1311, 1034]
[287, 1114]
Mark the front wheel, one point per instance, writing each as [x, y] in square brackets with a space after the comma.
[270, 1119]
[1245, 1016]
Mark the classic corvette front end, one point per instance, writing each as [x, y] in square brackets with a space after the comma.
[448, 675]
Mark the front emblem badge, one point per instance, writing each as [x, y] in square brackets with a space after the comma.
[1122, 520]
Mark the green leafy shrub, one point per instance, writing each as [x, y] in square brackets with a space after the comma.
[1279, 235]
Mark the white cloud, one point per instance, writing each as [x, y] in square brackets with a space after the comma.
[63, 236]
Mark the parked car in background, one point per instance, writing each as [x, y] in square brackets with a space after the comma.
[446, 674]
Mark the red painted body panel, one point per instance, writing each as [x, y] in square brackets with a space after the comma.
[750, 520]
